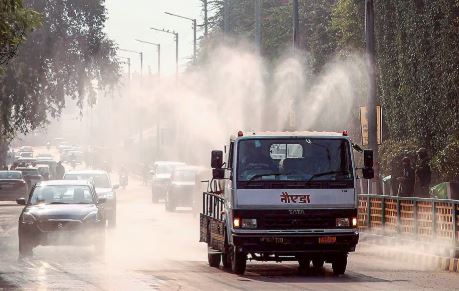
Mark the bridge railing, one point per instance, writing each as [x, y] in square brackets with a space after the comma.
[420, 218]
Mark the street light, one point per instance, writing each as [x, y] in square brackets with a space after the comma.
[141, 58]
[128, 62]
[176, 45]
[193, 20]
[158, 50]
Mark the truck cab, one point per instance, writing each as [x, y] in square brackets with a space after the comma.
[283, 196]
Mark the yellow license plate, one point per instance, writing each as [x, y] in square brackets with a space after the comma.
[327, 240]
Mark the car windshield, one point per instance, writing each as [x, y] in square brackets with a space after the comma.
[298, 159]
[30, 172]
[10, 175]
[99, 180]
[184, 176]
[62, 194]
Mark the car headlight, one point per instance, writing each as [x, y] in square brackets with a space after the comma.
[342, 222]
[28, 218]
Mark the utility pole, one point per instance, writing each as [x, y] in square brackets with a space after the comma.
[371, 101]
[141, 58]
[176, 37]
[296, 25]
[193, 20]
[205, 18]
[128, 63]
[158, 46]
[258, 20]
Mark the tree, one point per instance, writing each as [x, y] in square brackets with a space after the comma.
[68, 57]
[15, 22]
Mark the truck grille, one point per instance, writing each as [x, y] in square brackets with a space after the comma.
[297, 222]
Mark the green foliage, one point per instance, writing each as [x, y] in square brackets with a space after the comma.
[419, 69]
[68, 57]
[446, 162]
[391, 153]
[15, 22]
[348, 26]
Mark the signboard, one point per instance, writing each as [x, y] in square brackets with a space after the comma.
[364, 124]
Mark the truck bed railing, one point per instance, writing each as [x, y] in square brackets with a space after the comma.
[213, 205]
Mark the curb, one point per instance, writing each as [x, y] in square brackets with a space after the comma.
[430, 261]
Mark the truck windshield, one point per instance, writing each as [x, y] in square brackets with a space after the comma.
[298, 159]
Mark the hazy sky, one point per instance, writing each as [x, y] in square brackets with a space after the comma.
[131, 19]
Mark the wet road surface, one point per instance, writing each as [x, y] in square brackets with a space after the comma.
[153, 249]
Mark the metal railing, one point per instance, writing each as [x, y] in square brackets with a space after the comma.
[212, 205]
[424, 219]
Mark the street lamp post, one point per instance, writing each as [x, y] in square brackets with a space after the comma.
[141, 58]
[128, 62]
[193, 20]
[176, 46]
[158, 46]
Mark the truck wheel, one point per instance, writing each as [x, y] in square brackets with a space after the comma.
[304, 262]
[318, 263]
[339, 264]
[213, 259]
[25, 247]
[238, 262]
[169, 205]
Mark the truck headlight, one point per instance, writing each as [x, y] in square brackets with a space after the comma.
[249, 223]
[28, 218]
[237, 222]
[342, 222]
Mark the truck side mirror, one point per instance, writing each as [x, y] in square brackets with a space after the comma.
[218, 174]
[217, 159]
[368, 173]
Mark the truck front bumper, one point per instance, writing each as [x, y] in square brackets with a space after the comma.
[296, 242]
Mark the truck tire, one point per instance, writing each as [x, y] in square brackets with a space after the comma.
[214, 260]
[169, 204]
[318, 263]
[238, 261]
[304, 262]
[339, 264]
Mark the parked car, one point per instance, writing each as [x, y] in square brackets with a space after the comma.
[61, 213]
[104, 189]
[12, 185]
[161, 177]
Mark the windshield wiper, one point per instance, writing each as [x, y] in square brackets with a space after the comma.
[327, 173]
[57, 203]
[264, 175]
